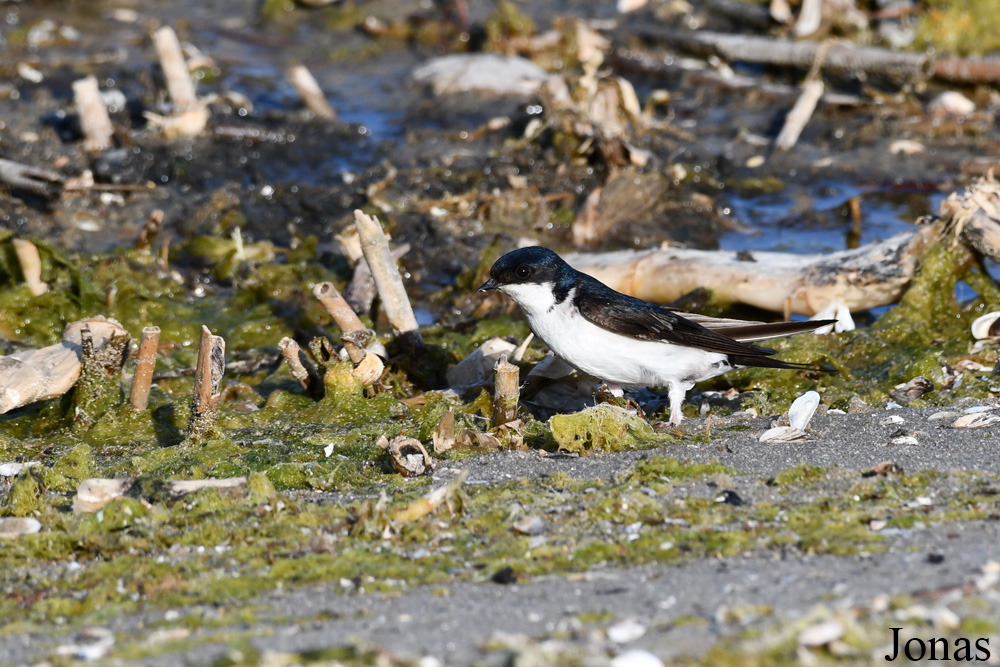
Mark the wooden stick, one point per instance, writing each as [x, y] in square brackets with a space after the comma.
[207, 385]
[506, 392]
[310, 92]
[31, 266]
[387, 278]
[302, 369]
[143, 378]
[800, 114]
[361, 291]
[175, 69]
[337, 307]
[94, 119]
[41, 374]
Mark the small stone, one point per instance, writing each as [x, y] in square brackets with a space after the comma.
[821, 634]
[626, 631]
[530, 525]
[951, 103]
[635, 658]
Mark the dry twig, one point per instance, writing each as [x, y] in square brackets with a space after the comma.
[143, 378]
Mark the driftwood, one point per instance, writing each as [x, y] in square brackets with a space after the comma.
[842, 56]
[310, 92]
[868, 277]
[38, 375]
[800, 114]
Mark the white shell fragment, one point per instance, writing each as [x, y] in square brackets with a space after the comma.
[530, 525]
[802, 410]
[784, 434]
[635, 658]
[904, 441]
[14, 526]
[13, 469]
[821, 634]
[986, 326]
[951, 103]
[477, 368]
[91, 644]
[906, 147]
[481, 72]
[93, 494]
[891, 420]
[835, 310]
[976, 420]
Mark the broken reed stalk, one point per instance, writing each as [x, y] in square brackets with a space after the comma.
[506, 392]
[390, 284]
[143, 378]
[150, 230]
[207, 385]
[338, 308]
[302, 369]
[99, 387]
[94, 119]
[800, 114]
[180, 86]
[31, 266]
[361, 291]
[310, 92]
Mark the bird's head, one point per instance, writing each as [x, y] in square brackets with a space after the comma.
[526, 266]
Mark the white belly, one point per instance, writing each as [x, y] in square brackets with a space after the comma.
[614, 358]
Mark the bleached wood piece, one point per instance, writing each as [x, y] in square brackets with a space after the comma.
[94, 119]
[387, 278]
[310, 92]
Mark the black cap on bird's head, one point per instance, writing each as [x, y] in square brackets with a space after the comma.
[534, 264]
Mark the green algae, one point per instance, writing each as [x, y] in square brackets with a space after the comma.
[604, 427]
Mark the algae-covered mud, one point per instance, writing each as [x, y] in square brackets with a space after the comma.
[292, 527]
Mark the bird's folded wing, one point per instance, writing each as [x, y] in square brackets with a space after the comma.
[745, 330]
[644, 321]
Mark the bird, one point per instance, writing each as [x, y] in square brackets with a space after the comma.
[626, 341]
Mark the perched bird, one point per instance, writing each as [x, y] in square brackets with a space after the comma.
[627, 341]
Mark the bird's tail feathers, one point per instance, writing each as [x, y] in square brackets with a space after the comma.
[740, 361]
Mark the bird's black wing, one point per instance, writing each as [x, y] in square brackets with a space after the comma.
[642, 320]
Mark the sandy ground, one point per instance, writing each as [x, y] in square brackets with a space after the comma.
[676, 611]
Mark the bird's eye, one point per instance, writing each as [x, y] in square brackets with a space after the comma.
[523, 271]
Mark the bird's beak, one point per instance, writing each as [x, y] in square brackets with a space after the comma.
[488, 285]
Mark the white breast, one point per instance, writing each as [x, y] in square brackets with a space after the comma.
[607, 355]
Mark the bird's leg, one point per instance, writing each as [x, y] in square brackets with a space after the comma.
[676, 393]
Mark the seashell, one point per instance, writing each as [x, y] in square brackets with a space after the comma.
[944, 414]
[915, 388]
[986, 326]
[835, 310]
[93, 494]
[13, 526]
[802, 410]
[894, 419]
[903, 441]
[951, 103]
[784, 434]
[976, 420]
[821, 634]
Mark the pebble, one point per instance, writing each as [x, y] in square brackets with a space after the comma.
[14, 526]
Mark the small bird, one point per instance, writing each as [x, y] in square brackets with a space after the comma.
[627, 341]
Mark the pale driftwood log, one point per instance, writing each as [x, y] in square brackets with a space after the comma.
[94, 119]
[31, 266]
[799, 116]
[94, 493]
[387, 279]
[310, 92]
[207, 385]
[38, 375]
[974, 216]
[506, 392]
[180, 86]
[868, 277]
[843, 56]
[142, 380]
